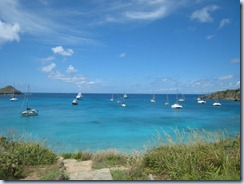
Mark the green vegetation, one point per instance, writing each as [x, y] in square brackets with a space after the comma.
[81, 156]
[108, 159]
[9, 90]
[189, 155]
[16, 155]
[234, 94]
[198, 159]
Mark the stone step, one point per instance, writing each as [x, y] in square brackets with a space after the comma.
[99, 174]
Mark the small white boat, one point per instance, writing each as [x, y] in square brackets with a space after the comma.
[176, 106]
[112, 98]
[75, 102]
[217, 104]
[182, 99]
[152, 100]
[167, 101]
[125, 96]
[79, 96]
[123, 104]
[29, 111]
[118, 101]
[13, 98]
[201, 101]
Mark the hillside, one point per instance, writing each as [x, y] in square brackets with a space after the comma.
[234, 94]
[9, 90]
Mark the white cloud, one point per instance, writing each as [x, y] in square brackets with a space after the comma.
[209, 37]
[47, 59]
[137, 10]
[48, 68]
[203, 15]
[122, 55]
[235, 60]
[147, 15]
[226, 77]
[9, 32]
[61, 51]
[224, 22]
[71, 69]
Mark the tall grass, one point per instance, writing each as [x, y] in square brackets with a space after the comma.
[194, 155]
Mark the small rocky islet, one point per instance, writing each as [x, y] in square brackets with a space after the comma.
[9, 90]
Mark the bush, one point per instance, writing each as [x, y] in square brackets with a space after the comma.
[16, 154]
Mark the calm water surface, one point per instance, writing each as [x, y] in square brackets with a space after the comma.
[98, 124]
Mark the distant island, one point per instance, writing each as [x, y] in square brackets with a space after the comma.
[234, 94]
[9, 90]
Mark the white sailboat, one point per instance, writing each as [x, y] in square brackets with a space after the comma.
[29, 111]
[182, 99]
[125, 96]
[13, 98]
[79, 96]
[200, 101]
[176, 105]
[167, 100]
[112, 98]
[152, 100]
[118, 101]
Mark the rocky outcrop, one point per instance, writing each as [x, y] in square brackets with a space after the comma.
[226, 95]
[9, 90]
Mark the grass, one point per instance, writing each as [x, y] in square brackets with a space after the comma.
[205, 156]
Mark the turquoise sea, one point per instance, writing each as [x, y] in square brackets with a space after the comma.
[96, 123]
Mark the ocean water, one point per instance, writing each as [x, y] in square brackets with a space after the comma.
[98, 124]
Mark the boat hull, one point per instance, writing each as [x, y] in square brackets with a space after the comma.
[30, 112]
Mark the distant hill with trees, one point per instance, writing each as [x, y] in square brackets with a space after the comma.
[9, 90]
[234, 94]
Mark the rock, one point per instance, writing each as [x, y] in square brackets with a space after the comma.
[9, 90]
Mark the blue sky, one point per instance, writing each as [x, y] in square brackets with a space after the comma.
[136, 46]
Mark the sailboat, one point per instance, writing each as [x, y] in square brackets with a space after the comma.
[167, 101]
[153, 99]
[125, 96]
[118, 101]
[176, 105]
[182, 99]
[112, 98]
[79, 96]
[13, 98]
[29, 111]
[123, 104]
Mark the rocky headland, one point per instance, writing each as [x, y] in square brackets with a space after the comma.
[9, 90]
[234, 94]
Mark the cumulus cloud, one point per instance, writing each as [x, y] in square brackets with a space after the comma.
[235, 60]
[203, 15]
[61, 51]
[71, 69]
[48, 68]
[224, 22]
[9, 32]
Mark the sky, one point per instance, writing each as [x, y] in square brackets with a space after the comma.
[132, 46]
